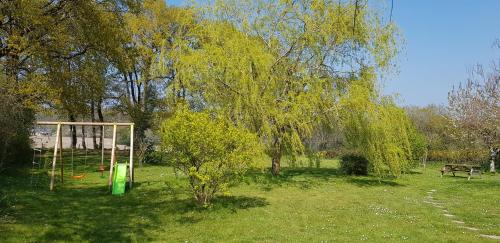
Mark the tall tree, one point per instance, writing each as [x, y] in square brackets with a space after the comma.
[279, 67]
[138, 83]
[44, 42]
[475, 109]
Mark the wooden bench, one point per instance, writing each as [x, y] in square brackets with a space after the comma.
[470, 169]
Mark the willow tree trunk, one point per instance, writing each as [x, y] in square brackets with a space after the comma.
[276, 165]
[277, 153]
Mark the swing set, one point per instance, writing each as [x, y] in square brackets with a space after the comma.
[58, 147]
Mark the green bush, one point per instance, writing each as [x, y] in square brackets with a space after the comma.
[147, 149]
[16, 122]
[353, 164]
[154, 157]
[210, 151]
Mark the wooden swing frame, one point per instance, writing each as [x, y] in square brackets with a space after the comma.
[58, 148]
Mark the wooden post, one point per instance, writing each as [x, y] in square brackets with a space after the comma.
[60, 156]
[56, 145]
[131, 166]
[102, 147]
[110, 180]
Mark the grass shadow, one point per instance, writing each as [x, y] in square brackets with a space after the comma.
[302, 177]
[309, 177]
[192, 213]
[72, 213]
[91, 214]
[235, 203]
[85, 210]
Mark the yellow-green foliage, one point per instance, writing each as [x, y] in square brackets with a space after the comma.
[231, 73]
[277, 67]
[380, 130]
[210, 151]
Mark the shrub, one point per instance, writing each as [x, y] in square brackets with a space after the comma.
[353, 164]
[210, 151]
[16, 122]
[147, 147]
[154, 157]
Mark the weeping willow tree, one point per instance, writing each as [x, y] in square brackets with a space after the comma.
[379, 129]
[278, 68]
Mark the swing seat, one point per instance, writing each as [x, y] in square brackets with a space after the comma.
[102, 168]
[78, 177]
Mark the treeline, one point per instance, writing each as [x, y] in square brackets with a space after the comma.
[467, 130]
[278, 69]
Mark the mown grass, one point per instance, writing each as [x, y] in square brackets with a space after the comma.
[304, 204]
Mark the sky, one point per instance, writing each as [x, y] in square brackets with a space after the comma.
[443, 39]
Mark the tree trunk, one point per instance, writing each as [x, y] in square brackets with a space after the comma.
[132, 88]
[276, 156]
[84, 143]
[92, 117]
[101, 119]
[276, 165]
[72, 131]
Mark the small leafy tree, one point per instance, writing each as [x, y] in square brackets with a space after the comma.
[210, 151]
[418, 143]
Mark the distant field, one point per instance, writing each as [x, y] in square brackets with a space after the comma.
[305, 204]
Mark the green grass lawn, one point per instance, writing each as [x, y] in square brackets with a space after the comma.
[304, 204]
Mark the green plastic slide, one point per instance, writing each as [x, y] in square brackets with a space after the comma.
[119, 179]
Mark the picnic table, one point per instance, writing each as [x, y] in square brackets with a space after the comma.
[470, 169]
